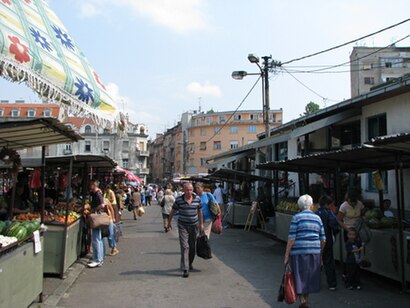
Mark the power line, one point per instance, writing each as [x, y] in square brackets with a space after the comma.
[305, 86]
[235, 111]
[369, 54]
[347, 43]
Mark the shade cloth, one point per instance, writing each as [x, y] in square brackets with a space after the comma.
[130, 176]
[36, 48]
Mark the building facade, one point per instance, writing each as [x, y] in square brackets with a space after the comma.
[216, 132]
[371, 66]
[130, 151]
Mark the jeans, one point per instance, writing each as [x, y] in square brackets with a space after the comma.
[353, 275]
[97, 245]
[329, 265]
[111, 237]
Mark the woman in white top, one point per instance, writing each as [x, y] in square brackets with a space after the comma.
[350, 213]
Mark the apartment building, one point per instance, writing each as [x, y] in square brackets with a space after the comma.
[372, 66]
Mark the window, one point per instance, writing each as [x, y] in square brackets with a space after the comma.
[203, 131]
[141, 146]
[87, 129]
[388, 64]
[1, 112]
[208, 121]
[67, 147]
[191, 133]
[222, 119]
[142, 130]
[107, 131]
[367, 66]
[281, 151]
[252, 129]
[125, 163]
[234, 144]
[47, 113]
[31, 113]
[377, 126]
[217, 130]
[251, 141]
[369, 80]
[87, 147]
[15, 113]
[350, 134]
[217, 145]
[272, 117]
[192, 162]
[237, 117]
[254, 116]
[202, 146]
[125, 146]
[106, 146]
[234, 129]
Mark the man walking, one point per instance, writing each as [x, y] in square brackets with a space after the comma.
[189, 208]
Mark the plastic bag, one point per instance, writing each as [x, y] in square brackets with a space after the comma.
[289, 286]
[203, 250]
[217, 225]
[281, 293]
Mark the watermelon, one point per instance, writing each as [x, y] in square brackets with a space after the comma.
[21, 233]
[30, 226]
[374, 223]
[2, 226]
[12, 228]
[386, 222]
[37, 225]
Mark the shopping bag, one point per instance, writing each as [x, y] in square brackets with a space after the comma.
[140, 211]
[281, 293]
[99, 220]
[289, 286]
[364, 233]
[217, 225]
[203, 250]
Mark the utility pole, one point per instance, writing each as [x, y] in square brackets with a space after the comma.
[266, 102]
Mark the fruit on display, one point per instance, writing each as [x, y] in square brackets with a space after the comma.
[28, 216]
[374, 219]
[387, 222]
[374, 213]
[7, 240]
[288, 207]
[2, 226]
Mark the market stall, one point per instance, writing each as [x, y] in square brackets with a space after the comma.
[242, 194]
[22, 249]
[387, 248]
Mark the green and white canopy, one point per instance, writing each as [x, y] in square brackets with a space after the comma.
[36, 49]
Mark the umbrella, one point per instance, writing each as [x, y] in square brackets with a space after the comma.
[36, 49]
[130, 176]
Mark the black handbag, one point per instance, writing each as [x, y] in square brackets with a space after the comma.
[203, 250]
[105, 232]
[130, 207]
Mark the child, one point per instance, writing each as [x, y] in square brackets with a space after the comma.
[353, 248]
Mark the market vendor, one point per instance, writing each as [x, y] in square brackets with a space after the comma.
[386, 208]
[22, 202]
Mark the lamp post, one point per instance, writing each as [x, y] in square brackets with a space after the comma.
[267, 65]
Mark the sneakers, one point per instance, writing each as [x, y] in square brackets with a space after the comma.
[332, 288]
[114, 252]
[358, 287]
[185, 274]
[191, 268]
[95, 264]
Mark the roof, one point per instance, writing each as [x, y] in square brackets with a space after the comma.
[25, 107]
[230, 175]
[382, 153]
[78, 122]
[23, 134]
[205, 114]
[101, 161]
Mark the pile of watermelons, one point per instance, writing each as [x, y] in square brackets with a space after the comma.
[374, 219]
[18, 229]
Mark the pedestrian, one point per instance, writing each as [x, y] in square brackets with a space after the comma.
[350, 213]
[166, 203]
[190, 218]
[120, 203]
[111, 229]
[303, 250]
[160, 195]
[97, 205]
[331, 227]
[136, 202]
[219, 195]
[110, 196]
[207, 199]
[354, 247]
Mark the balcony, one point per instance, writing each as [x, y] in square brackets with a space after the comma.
[142, 171]
[67, 152]
[142, 153]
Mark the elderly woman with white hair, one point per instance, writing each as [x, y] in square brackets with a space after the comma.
[303, 251]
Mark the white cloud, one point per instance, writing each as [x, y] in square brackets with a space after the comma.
[89, 9]
[205, 89]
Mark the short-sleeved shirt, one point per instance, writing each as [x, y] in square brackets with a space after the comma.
[352, 257]
[352, 215]
[188, 213]
[307, 230]
[206, 197]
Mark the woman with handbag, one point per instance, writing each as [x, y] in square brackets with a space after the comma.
[166, 204]
[303, 251]
[210, 208]
[136, 202]
[97, 206]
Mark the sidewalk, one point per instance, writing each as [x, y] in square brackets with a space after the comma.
[245, 272]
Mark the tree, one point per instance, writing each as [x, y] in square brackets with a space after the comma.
[311, 108]
[210, 111]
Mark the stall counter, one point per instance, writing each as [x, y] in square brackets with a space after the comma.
[21, 275]
[54, 254]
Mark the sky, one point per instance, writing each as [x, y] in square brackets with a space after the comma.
[160, 58]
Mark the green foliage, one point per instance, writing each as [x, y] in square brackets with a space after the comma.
[311, 108]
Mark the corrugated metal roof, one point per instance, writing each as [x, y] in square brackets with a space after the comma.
[23, 134]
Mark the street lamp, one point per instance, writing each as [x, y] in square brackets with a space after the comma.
[267, 65]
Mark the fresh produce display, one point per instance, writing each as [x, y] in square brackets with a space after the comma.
[374, 219]
[34, 216]
[19, 229]
[7, 240]
[58, 217]
[288, 207]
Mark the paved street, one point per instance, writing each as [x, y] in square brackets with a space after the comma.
[245, 272]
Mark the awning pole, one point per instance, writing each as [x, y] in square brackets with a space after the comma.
[399, 192]
[43, 183]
